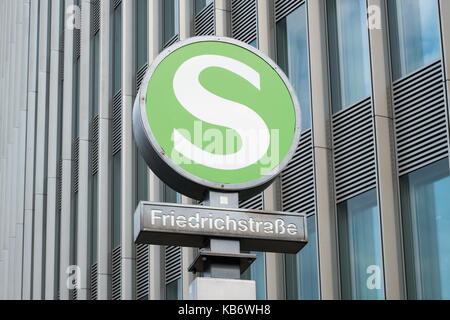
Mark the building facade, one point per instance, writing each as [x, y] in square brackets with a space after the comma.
[371, 171]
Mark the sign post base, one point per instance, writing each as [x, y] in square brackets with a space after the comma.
[222, 289]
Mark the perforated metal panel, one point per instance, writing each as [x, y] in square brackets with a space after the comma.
[117, 123]
[285, 7]
[116, 273]
[142, 271]
[75, 163]
[173, 263]
[94, 144]
[354, 150]
[255, 203]
[244, 24]
[204, 21]
[420, 118]
[140, 74]
[297, 180]
[94, 284]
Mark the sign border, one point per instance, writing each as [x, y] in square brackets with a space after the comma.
[175, 176]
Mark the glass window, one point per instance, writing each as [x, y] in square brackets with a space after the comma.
[293, 58]
[426, 224]
[142, 32]
[117, 45]
[75, 229]
[117, 203]
[142, 176]
[76, 98]
[96, 74]
[171, 196]
[171, 23]
[200, 4]
[349, 52]
[173, 290]
[94, 218]
[302, 277]
[257, 272]
[360, 248]
[414, 35]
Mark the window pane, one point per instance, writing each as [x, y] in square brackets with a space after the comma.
[302, 278]
[117, 43]
[94, 218]
[414, 35]
[142, 174]
[170, 19]
[349, 52]
[76, 98]
[96, 76]
[117, 203]
[173, 290]
[293, 58]
[426, 225]
[360, 248]
[75, 229]
[200, 4]
[257, 273]
[142, 27]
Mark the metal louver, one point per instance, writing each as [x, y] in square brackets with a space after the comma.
[94, 284]
[95, 27]
[116, 273]
[255, 203]
[117, 123]
[76, 44]
[297, 180]
[285, 7]
[142, 271]
[59, 186]
[173, 263]
[420, 118]
[244, 24]
[75, 163]
[354, 150]
[140, 74]
[94, 144]
[204, 21]
[61, 56]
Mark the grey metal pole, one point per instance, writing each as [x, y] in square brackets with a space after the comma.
[104, 158]
[30, 152]
[22, 144]
[187, 254]
[84, 176]
[40, 191]
[156, 279]
[66, 155]
[321, 129]
[128, 163]
[388, 190]
[52, 163]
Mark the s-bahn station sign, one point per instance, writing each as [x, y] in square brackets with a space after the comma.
[217, 121]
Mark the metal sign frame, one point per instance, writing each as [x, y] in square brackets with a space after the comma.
[176, 177]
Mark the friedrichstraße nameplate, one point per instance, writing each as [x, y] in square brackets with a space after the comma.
[191, 226]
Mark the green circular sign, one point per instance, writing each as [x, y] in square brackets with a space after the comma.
[215, 113]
